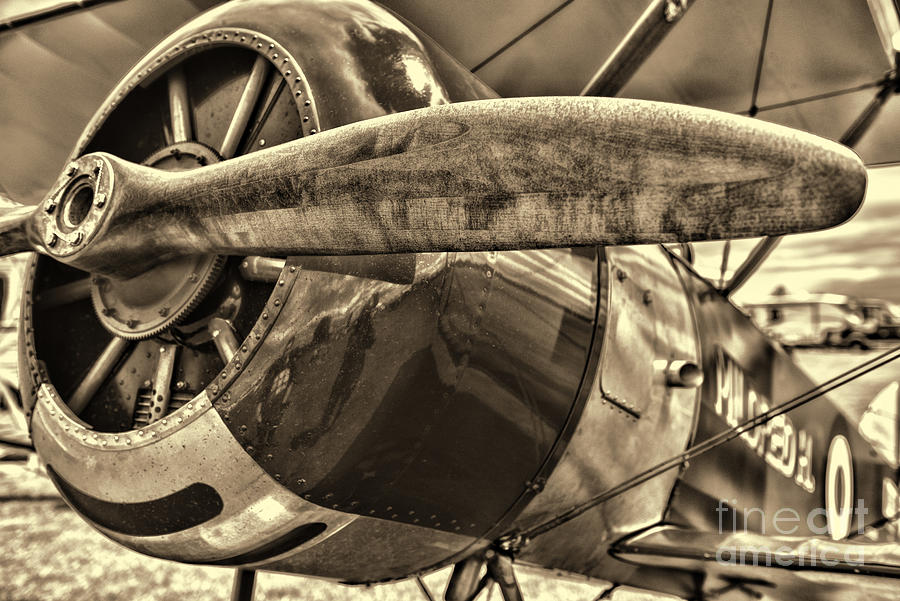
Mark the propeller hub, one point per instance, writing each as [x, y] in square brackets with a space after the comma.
[149, 303]
[74, 213]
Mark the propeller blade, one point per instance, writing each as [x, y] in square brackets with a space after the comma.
[486, 175]
[14, 229]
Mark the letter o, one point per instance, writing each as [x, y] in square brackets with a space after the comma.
[839, 487]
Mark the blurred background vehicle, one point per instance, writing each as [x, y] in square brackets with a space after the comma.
[814, 320]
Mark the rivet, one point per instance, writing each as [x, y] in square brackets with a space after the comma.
[259, 45]
[165, 421]
[190, 405]
[274, 55]
[301, 481]
[298, 93]
[281, 282]
[163, 311]
[244, 348]
[313, 131]
[293, 268]
[271, 46]
[95, 437]
[140, 432]
[306, 118]
[307, 102]
[116, 438]
[288, 72]
[262, 142]
[276, 302]
[128, 441]
[180, 420]
[297, 79]
[265, 316]
[153, 434]
[104, 443]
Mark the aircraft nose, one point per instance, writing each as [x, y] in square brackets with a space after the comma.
[181, 488]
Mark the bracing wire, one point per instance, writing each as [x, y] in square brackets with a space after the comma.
[713, 442]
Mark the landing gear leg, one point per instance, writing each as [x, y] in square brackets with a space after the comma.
[244, 583]
[501, 570]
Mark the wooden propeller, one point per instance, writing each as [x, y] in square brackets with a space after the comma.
[485, 175]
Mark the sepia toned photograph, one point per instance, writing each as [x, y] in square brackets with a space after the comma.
[499, 300]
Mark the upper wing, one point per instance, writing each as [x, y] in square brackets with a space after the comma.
[710, 59]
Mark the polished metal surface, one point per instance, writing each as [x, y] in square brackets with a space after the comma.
[648, 422]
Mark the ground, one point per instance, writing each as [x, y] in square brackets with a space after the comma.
[50, 554]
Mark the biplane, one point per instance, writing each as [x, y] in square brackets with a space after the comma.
[359, 291]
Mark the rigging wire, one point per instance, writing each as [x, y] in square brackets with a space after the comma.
[824, 96]
[761, 60]
[515, 540]
[516, 39]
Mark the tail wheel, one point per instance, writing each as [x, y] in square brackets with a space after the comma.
[124, 354]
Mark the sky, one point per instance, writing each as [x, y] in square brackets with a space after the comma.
[859, 258]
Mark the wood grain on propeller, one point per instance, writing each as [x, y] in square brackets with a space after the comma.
[486, 175]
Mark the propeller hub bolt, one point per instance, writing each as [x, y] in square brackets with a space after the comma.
[52, 239]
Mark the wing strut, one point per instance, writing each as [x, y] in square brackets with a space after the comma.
[645, 35]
